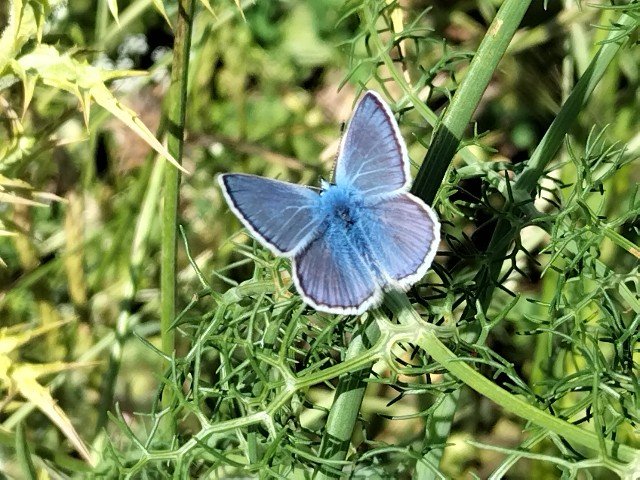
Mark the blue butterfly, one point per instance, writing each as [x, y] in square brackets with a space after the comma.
[354, 238]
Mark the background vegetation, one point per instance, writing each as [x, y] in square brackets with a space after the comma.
[530, 159]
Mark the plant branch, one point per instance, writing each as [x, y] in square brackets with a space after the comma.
[175, 115]
[455, 120]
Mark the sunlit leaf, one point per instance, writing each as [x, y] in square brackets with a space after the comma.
[113, 8]
[86, 83]
[24, 378]
[15, 34]
[13, 337]
[240, 8]
[207, 5]
[17, 200]
[159, 6]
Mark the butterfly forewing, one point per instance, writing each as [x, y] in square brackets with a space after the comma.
[373, 157]
[283, 216]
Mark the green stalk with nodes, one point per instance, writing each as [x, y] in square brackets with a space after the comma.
[175, 113]
[446, 140]
[350, 391]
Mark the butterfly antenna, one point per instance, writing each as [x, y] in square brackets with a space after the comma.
[343, 127]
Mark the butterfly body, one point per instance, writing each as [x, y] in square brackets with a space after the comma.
[341, 205]
[354, 238]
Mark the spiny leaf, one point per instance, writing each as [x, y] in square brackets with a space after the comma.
[86, 83]
[240, 8]
[14, 182]
[159, 5]
[24, 378]
[207, 5]
[13, 337]
[113, 8]
[17, 200]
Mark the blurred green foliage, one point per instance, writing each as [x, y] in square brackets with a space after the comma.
[269, 87]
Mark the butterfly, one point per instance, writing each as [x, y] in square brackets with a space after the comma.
[352, 239]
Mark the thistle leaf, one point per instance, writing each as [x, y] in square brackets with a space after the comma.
[86, 83]
[159, 5]
[24, 379]
[113, 8]
[13, 337]
[207, 5]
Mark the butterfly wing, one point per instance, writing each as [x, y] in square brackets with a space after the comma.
[403, 237]
[279, 214]
[332, 277]
[373, 156]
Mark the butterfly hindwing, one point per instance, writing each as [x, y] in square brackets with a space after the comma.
[332, 276]
[403, 239]
[373, 156]
[283, 216]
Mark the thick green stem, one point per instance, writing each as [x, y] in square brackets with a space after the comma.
[346, 404]
[516, 405]
[175, 116]
[427, 339]
[489, 274]
[443, 148]
[434, 167]
[449, 133]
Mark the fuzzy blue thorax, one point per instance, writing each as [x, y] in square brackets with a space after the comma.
[341, 206]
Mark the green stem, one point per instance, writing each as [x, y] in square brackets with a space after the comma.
[411, 328]
[489, 274]
[466, 99]
[516, 405]
[102, 20]
[175, 115]
[565, 119]
[434, 167]
[445, 144]
[130, 288]
[75, 465]
[428, 340]
[346, 404]
[527, 181]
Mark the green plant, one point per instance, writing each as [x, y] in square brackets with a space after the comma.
[533, 302]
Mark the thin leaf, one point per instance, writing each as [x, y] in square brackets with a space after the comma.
[159, 5]
[16, 200]
[240, 8]
[13, 337]
[113, 8]
[24, 455]
[207, 5]
[86, 83]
